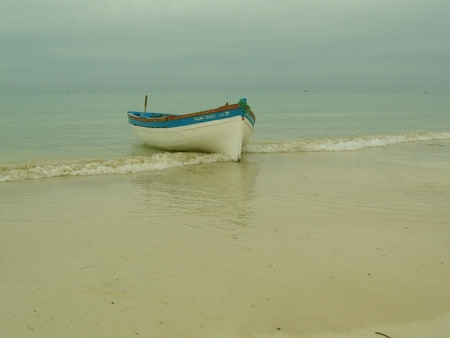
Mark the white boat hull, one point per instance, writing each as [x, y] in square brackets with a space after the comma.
[226, 136]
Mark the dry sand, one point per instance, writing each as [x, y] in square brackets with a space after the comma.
[288, 245]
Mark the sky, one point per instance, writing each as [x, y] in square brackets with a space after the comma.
[225, 45]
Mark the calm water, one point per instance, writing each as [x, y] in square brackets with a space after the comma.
[47, 135]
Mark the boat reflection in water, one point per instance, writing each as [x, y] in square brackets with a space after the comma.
[220, 193]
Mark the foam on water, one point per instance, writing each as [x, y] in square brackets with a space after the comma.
[342, 144]
[86, 167]
[163, 161]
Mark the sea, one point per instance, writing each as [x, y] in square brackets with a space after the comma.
[80, 134]
[334, 223]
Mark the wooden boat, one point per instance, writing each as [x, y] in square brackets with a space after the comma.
[224, 130]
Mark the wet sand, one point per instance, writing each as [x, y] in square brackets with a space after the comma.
[280, 245]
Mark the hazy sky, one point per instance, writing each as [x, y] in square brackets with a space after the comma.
[251, 45]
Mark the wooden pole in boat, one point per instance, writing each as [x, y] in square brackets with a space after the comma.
[145, 104]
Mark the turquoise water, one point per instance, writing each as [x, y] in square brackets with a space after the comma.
[87, 133]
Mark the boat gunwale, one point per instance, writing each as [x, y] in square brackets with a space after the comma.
[171, 117]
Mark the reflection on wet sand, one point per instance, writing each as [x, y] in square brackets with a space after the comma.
[223, 189]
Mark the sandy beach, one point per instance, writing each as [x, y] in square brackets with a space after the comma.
[346, 244]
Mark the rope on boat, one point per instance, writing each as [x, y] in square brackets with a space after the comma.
[244, 106]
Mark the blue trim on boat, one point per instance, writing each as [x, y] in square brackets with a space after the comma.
[249, 117]
[162, 120]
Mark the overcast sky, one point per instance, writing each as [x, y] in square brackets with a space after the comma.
[251, 45]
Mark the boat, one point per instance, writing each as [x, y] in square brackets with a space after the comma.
[223, 130]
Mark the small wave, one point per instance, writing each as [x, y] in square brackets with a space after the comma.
[341, 144]
[163, 161]
[127, 165]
